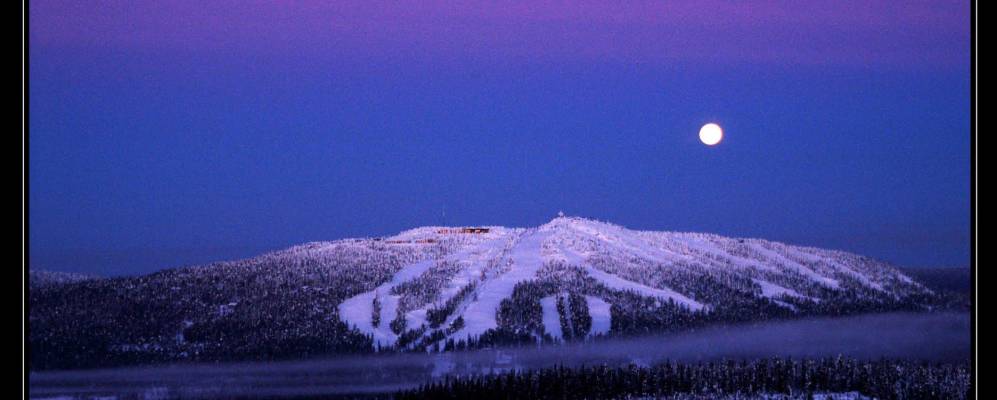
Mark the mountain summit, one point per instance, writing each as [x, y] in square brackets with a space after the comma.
[466, 284]
[455, 287]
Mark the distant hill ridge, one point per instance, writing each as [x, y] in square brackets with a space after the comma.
[441, 288]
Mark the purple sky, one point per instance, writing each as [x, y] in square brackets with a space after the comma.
[166, 133]
[918, 34]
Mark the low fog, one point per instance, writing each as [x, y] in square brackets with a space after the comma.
[929, 337]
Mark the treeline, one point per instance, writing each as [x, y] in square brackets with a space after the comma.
[279, 305]
[765, 378]
[285, 304]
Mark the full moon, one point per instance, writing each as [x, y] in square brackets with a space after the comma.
[711, 134]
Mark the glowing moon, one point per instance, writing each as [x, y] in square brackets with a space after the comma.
[711, 134]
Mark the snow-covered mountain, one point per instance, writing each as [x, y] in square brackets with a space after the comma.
[458, 291]
[442, 288]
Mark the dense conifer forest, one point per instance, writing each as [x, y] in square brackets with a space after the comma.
[740, 379]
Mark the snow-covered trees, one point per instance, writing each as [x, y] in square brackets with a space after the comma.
[727, 379]
[421, 284]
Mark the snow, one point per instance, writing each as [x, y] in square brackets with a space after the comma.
[611, 281]
[614, 282]
[479, 316]
[492, 264]
[840, 267]
[621, 239]
[601, 316]
[568, 256]
[357, 311]
[774, 291]
[800, 268]
[475, 261]
[696, 241]
[785, 304]
[551, 318]
[415, 318]
[478, 263]
[410, 272]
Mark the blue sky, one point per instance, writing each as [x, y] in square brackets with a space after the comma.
[172, 134]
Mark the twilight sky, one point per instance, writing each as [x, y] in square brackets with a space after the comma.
[169, 133]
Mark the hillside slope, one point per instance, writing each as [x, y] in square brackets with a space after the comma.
[443, 288]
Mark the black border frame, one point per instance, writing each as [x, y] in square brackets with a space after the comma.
[25, 205]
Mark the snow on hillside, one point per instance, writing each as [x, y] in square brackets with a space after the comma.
[525, 261]
[459, 295]
[359, 310]
[441, 288]
[599, 310]
[44, 278]
[551, 317]
[486, 262]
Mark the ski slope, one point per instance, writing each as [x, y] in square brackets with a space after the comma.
[457, 289]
